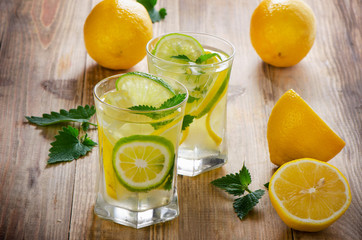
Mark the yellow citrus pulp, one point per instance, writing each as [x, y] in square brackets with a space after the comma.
[295, 131]
[116, 33]
[309, 195]
[282, 31]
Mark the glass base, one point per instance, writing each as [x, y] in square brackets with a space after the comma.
[194, 167]
[137, 219]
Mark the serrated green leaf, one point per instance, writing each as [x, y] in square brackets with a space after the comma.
[142, 108]
[192, 99]
[182, 57]
[171, 102]
[80, 114]
[266, 185]
[85, 126]
[188, 119]
[148, 4]
[205, 57]
[243, 205]
[168, 184]
[155, 15]
[68, 147]
[231, 184]
[244, 176]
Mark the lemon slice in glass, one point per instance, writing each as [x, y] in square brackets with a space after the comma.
[142, 162]
[213, 96]
[214, 121]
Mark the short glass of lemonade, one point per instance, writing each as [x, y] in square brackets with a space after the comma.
[139, 125]
[201, 62]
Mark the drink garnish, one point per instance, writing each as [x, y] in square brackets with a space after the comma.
[80, 114]
[68, 146]
[236, 184]
[155, 15]
[142, 162]
[200, 59]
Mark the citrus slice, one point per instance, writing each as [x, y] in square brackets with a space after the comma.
[295, 131]
[214, 121]
[142, 162]
[175, 44]
[144, 89]
[184, 135]
[110, 180]
[309, 195]
[212, 97]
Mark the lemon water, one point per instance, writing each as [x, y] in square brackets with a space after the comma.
[203, 143]
[111, 129]
[139, 124]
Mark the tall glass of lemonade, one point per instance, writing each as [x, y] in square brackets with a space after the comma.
[139, 124]
[203, 64]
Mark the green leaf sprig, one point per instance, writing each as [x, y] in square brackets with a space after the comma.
[171, 102]
[155, 15]
[80, 114]
[199, 60]
[68, 145]
[237, 184]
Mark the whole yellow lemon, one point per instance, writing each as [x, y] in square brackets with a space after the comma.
[116, 33]
[282, 31]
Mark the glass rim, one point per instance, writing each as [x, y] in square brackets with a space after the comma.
[186, 64]
[139, 111]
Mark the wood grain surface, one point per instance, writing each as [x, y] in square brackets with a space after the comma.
[44, 67]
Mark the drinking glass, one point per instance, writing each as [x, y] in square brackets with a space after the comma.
[126, 138]
[203, 144]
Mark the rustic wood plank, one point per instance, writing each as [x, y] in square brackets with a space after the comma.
[40, 63]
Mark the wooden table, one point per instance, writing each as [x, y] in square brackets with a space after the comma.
[44, 67]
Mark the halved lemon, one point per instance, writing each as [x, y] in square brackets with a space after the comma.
[142, 162]
[309, 195]
[295, 131]
[175, 44]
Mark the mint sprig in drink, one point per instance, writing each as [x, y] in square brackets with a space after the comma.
[139, 124]
[203, 64]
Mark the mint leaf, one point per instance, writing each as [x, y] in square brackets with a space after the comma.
[205, 57]
[236, 184]
[192, 99]
[171, 102]
[243, 205]
[81, 115]
[168, 184]
[155, 15]
[160, 124]
[188, 119]
[182, 57]
[68, 147]
[244, 176]
[266, 185]
[142, 108]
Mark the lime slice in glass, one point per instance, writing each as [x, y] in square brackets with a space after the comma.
[142, 162]
[176, 44]
[137, 88]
